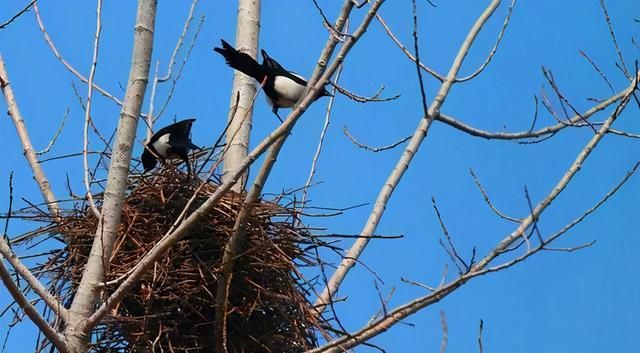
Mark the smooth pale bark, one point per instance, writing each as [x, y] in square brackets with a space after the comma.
[25, 140]
[240, 117]
[88, 292]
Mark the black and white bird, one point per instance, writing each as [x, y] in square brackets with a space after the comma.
[170, 142]
[283, 88]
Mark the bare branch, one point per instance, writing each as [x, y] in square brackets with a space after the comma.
[25, 140]
[423, 97]
[488, 200]
[174, 82]
[546, 131]
[571, 249]
[451, 250]
[52, 335]
[325, 127]
[24, 272]
[598, 204]
[55, 136]
[486, 62]
[373, 149]
[480, 327]
[406, 51]
[362, 99]
[20, 13]
[418, 284]
[87, 113]
[65, 63]
[595, 67]
[445, 332]
[615, 42]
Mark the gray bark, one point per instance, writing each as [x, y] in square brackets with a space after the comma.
[88, 292]
[240, 117]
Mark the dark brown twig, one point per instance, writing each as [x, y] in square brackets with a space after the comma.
[20, 13]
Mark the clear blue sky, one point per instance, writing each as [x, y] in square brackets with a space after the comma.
[555, 302]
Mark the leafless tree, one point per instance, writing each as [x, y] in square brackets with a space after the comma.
[70, 329]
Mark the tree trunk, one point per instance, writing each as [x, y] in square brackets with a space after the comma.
[248, 29]
[97, 266]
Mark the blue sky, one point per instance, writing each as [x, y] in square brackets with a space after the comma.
[584, 302]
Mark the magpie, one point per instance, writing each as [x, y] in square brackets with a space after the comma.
[170, 142]
[283, 88]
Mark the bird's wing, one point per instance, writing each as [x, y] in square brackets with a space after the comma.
[241, 61]
[181, 142]
[183, 127]
[296, 78]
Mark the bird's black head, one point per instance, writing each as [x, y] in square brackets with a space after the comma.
[149, 161]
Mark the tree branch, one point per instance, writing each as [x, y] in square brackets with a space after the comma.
[15, 17]
[27, 147]
[543, 132]
[24, 272]
[52, 335]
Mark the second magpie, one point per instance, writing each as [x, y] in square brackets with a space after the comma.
[283, 88]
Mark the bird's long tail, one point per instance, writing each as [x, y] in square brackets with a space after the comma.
[241, 61]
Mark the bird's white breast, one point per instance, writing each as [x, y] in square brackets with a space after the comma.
[289, 91]
[162, 145]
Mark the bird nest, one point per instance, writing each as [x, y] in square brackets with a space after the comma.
[172, 307]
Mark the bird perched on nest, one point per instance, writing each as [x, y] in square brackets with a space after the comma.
[170, 142]
[282, 87]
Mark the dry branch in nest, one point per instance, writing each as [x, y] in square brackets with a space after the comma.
[172, 308]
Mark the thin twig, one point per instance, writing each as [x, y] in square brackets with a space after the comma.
[615, 42]
[480, 327]
[486, 62]
[55, 136]
[323, 132]
[595, 67]
[488, 200]
[540, 133]
[20, 13]
[362, 99]
[87, 113]
[373, 149]
[406, 51]
[418, 284]
[423, 97]
[445, 332]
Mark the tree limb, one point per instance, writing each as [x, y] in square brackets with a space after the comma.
[27, 147]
